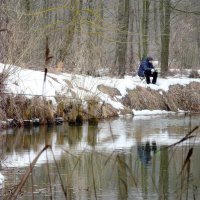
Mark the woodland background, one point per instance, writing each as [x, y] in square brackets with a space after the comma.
[91, 36]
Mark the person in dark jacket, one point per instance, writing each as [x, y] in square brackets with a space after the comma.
[147, 70]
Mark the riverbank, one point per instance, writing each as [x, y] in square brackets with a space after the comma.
[25, 95]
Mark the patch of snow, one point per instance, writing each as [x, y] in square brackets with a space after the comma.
[151, 112]
[2, 178]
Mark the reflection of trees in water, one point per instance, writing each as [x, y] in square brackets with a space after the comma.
[20, 139]
[74, 135]
[109, 174]
[92, 135]
[33, 138]
[104, 171]
[122, 176]
[164, 174]
[61, 134]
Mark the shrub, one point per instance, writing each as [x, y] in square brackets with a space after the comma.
[194, 74]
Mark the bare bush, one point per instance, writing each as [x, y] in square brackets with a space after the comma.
[194, 74]
[177, 98]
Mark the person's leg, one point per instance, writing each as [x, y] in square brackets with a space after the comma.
[155, 75]
[147, 75]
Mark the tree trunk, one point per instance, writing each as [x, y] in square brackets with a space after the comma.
[155, 10]
[145, 24]
[121, 44]
[137, 24]
[70, 30]
[5, 35]
[100, 32]
[165, 34]
[79, 23]
[130, 56]
[198, 42]
[90, 41]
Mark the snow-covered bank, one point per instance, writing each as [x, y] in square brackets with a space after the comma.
[30, 83]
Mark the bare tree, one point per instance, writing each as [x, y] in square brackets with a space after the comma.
[156, 31]
[88, 34]
[165, 33]
[122, 34]
[70, 32]
[138, 27]
[130, 54]
[145, 25]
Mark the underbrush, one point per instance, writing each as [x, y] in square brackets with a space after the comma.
[20, 108]
[178, 97]
[194, 74]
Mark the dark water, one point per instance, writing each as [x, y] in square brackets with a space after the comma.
[125, 158]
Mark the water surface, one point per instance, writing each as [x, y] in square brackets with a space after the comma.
[124, 158]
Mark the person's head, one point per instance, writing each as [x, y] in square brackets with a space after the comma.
[150, 59]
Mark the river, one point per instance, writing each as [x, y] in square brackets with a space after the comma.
[123, 158]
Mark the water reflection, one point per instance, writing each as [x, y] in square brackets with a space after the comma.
[144, 152]
[97, 163]
[74, 135]
[92, 135]
[122, 176]
[164, 174]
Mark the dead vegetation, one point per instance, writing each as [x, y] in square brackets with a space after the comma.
[178, 97]
[143, 98]
[109, 90]
[20, 108]
[194, 74]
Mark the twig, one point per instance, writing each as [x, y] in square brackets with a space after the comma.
[23, 180]
[62, 185]
[188, 136]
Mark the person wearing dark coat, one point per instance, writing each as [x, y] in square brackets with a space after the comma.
[147, 70]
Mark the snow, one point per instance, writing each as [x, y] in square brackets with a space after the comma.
[30, 82]
[2, 178]
[151, 112]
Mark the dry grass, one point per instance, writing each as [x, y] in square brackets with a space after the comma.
[178, 97]
[22, 108]
[144, 98]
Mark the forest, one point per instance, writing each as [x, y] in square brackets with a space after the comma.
[100, 36]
